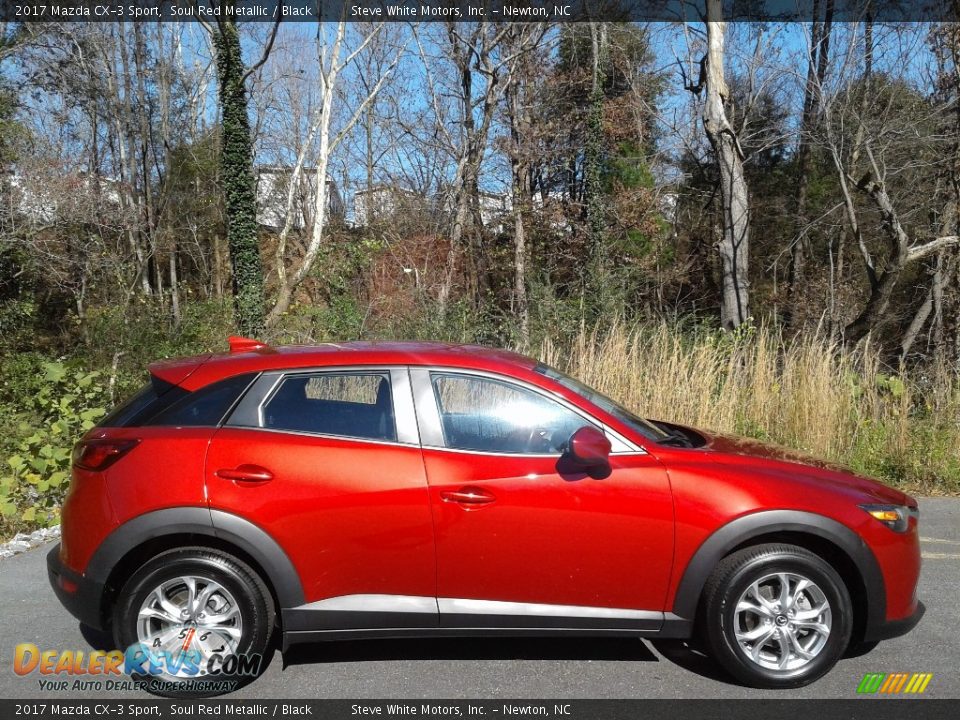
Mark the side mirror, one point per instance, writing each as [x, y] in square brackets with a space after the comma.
[589, 448]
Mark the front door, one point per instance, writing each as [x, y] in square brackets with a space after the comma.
[524, 539]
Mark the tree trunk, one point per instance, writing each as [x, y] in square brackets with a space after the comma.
[236, 174]
[593, 176]
[174, 290]
[902, 252]
[816, 72]
[734, 241]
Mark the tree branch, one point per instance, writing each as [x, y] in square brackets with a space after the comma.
[921, 251]
[266, 51]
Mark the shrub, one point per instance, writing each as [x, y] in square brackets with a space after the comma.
[49, 405]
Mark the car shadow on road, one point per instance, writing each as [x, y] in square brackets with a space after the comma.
[626, 649]
[687, 656]
[678, 652]
[98, 639]
[103, 641]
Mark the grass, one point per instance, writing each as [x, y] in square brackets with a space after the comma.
[804, 392]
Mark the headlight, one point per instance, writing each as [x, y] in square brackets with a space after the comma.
[895, 517]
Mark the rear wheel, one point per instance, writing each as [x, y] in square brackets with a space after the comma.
[194, 622]
[776, 616]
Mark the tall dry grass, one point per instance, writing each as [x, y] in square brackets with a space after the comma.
[804, 392]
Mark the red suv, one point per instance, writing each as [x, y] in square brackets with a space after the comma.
[361, 490]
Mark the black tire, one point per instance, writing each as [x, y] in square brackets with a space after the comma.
[718, 617]
[253, 601]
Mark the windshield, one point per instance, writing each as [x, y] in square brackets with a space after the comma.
[635, 422]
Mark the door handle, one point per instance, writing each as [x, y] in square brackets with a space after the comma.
[246, 474]
[468, 496]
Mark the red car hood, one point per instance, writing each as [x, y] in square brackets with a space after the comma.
[813, 468]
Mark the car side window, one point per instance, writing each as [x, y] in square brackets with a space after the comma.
[357, 405]
[488, 415]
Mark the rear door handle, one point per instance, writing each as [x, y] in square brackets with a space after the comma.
[246, 474]
[471, 496]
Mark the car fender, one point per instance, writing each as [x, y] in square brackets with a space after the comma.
[765, 522]
[241, 533]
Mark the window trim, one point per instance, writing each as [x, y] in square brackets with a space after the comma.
[248, 414]
[431, 425]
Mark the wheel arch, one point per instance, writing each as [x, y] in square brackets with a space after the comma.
[143, 537]
[836, 543]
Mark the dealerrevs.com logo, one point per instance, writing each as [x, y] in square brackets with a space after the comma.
[899, 683]
[155, 670]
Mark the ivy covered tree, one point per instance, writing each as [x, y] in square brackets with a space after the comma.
[236, 174]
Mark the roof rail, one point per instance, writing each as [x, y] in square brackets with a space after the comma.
[240, 344]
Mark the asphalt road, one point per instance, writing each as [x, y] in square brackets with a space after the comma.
[524, 668]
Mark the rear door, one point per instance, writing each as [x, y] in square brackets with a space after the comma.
[328, 463]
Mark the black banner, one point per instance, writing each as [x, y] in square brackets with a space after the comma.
[564, 709]
[465, 10]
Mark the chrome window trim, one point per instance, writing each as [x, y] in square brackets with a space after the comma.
[327, 436]
[249, 413]
[428, 414]
[404, 413]
[431, 427]
[416, 414]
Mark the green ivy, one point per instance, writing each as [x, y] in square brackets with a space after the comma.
[236, 171]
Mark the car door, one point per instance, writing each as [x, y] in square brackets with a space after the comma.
[523, 538]
[328, 463]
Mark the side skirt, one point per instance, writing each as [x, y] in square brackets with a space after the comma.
[353, 617]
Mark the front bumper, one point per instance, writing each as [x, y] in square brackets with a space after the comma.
[80, 595]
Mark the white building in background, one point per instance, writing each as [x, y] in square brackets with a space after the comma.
[494, 207]
[50, 195]
[273, 183]
[382, 201]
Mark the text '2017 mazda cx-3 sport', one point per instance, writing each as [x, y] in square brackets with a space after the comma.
[364, 490]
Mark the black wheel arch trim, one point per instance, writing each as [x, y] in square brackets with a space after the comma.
[202, 521]
[765, 522]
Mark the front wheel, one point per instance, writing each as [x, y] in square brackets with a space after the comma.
[776, 616]
[193, 622]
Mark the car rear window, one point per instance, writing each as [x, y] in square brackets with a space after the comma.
[145, 403]
[207, 406]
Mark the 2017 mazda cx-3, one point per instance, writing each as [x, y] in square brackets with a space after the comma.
[365, 490]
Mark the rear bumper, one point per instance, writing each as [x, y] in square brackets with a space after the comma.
[895, 628]
[80, 595]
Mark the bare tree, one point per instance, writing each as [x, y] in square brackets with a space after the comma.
[522, 42]
[817, 65]
[892, 138]
[333, 57]
[733, 244]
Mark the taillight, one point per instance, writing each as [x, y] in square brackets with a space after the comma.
[100, 453]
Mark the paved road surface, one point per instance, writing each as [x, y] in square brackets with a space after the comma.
[525, 668]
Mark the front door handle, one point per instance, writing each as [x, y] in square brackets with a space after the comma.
[246, 474]
[469, 496]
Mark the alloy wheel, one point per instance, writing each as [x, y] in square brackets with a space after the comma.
[782, 621]
[190, 614]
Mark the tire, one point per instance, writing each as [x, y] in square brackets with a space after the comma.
[199, 656]
[811, 641]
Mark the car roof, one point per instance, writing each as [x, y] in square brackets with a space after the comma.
[248, 356]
